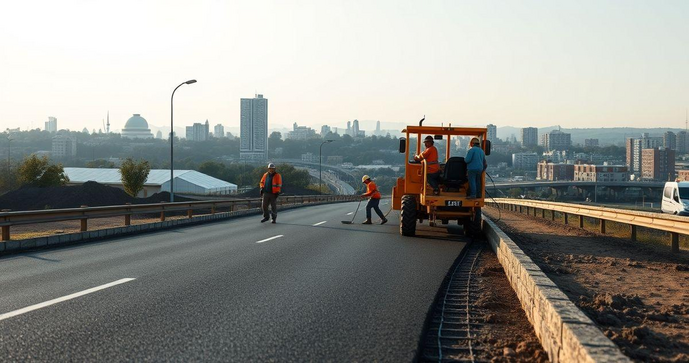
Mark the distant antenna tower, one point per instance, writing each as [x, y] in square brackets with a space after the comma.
[107, 130]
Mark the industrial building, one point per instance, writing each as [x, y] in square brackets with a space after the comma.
[186, 181]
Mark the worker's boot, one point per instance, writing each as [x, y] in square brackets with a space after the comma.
[368, 221]
[265, 219]
[385, 220]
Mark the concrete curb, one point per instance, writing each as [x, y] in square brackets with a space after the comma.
[16, 246]
[565, 332]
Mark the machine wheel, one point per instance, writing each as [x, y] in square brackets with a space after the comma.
[475, 224]
[445, 221]
[408, 216]
[466, 227]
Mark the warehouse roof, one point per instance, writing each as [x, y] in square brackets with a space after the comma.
[155, 177]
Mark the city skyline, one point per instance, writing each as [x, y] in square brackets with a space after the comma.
[522, 64]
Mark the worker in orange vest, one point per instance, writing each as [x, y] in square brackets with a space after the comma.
[374, 200]
[430, 154]
[271, 187]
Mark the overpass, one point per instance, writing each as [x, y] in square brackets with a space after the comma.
[586, 189]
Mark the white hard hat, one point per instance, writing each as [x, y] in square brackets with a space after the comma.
[365, 178]
[271, 166]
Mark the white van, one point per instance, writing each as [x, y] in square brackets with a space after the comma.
[676, 198]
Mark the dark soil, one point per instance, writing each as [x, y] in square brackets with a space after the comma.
[507, 335]
[91, 194]
[636, 293]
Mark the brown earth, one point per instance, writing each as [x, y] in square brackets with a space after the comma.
[507, 335]
[635, 292]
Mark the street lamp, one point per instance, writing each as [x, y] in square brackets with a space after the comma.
[320, 165]
[9, 152]
[172, 138]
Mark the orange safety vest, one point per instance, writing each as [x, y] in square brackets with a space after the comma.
[431, 157]
[277, 183]
[372, 190]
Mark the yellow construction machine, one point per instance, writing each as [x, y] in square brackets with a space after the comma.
[415, 198]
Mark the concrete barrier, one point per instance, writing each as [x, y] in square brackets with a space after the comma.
[15, 246]
[565, 332]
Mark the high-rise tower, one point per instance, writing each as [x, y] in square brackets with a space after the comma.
[253, 143]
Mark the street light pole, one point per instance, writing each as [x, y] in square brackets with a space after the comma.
[320, 165]
[172, 138]
[9, 153]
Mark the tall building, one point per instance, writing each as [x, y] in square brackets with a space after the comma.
[670, 140]
[634, 150]
[51, 124]
[137, 128]
[590, 142]
[159, 134]
[253, 133]
[529, 136]
[600, 173]
[198, 132]
[492, 132]
[349, 128]
[658, 164]
[681, 142]
[64, 146]
[355, 128]
[553, 172]
[525, 161]
[377, 128]
[557, 140]
[325, 130]
[219, 131]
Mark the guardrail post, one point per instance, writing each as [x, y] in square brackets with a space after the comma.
[552, 215]
[213, 209]
[128, 217]
[543, 213]
[521, 210]
[190, 213]
[162, 213]
[602, 226]
[5, 233]
[566, 218]
[84, 221]
[534, 211]
[632, 229]
[581, 222]
[675, 241]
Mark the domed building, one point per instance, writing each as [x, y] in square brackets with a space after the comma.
[137, 128]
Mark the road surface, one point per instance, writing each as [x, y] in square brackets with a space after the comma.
[307, 288]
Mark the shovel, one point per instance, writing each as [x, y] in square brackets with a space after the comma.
[354, 216]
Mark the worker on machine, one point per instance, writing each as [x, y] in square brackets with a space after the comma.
[271, 187]
[374, 200]
[430, 154]
[476, 164]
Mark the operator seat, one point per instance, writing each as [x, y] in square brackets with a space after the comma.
[455, 173]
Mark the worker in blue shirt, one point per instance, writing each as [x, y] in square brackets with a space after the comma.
[476, 164]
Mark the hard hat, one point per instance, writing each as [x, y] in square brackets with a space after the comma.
[365, 178]
[271, 166]
[428, 138]
[474, 140]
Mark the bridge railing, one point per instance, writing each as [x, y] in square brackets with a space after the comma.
[674, 225]
[9, 219]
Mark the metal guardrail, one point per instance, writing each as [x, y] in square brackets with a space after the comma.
[672, 224]
[9, 219]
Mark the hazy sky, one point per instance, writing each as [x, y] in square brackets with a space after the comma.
[520, 63]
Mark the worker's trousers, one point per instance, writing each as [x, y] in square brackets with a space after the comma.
[475, 183]
[269, 199]
[373, 204]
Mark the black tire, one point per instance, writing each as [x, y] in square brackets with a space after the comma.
[475, 224]
[444, 221]
[408, 216]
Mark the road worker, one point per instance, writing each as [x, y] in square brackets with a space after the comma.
[476, 164]
[374, 200]
[430, 154]
[271, 187]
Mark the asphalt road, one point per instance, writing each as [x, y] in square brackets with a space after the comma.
[212, 293]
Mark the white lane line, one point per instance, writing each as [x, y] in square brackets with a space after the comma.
[319, 223]
[271, 238]
[61, 299]
[350, 213]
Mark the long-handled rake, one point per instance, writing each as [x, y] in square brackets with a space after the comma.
[354, 216]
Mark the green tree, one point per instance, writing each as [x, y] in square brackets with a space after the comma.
[134, 175]
[41, 173]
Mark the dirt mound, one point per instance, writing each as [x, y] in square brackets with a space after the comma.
[287, 190]
[91, 194]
